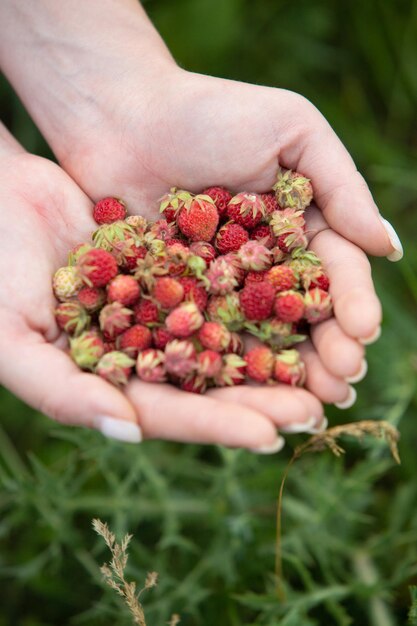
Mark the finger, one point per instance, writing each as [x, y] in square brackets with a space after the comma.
[169, 413]
[324, 385]
[341, 354]
[290, 409]
[46, 378]
[356, 305]
[339, 189]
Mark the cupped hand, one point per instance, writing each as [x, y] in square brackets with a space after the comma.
[192, 131]
[44, 214]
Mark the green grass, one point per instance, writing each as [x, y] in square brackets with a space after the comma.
[205, 518]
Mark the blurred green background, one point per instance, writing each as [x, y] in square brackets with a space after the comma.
[205, 518]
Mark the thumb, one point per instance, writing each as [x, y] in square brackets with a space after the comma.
[46, 378]
[340, 191]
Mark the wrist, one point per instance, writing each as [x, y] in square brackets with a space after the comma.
[73, 62]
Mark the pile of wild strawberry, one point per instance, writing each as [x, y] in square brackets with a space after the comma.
[175, 298]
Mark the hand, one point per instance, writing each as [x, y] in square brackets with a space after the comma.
[43, 215]
[193, 131]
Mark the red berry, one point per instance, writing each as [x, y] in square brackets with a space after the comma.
[230, 237]
[221, 197]
[264, 234]
[168, 292]
[184, 320]
[97, 267]
[150, 366]
[270, 202]
[194, 384]
[246, 209]
[289, 306]
[259, 363]
[115, 367]
[318, 305]
[198, 219]
[256, 300]
[146, 312]
[255, 277]
[321, 281]
[161, 336]
[214, 336]
[91, 298]
[123, 289]
[72, 317]
[209, 363]
[180, 358]
[114, 318]
[194, 291]
[204, 250]
[134, 339]
[281, 277]
[109, 210]
[289, 368]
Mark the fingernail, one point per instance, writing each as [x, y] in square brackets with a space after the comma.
[360, 375]
[299, 427]
[350, 400]
[271, 449]
[118, 429]
[366, 341]
[320, 428]
[395, 241]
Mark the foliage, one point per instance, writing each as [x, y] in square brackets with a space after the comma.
[204, 519]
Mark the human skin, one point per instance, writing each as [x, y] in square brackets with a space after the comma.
[124, 119]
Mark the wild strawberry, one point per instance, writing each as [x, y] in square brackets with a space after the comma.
[161, 336]
[109, 210]
[209, 363]
[293, 190]
[138, 223]
[287, 221]
[232, 372]
[230, 237]
[150, 366]
[282, 278]
[194, 384]
[232, 259]
[246, 209]
[214, 336]
[72, 317]
[115, 367]
[127, 252]
[148, 269]
[289, 306]
[107, 235]
[66, 283]
[134, 339]
[97, 267]
[320, 280]
[264, 234]
[222, 276]
[163, 230]
[91, 298]
[184, 320]
[109, 346]
[221, 197]
[197, 266]
[277, 254]
[77, 251]
[289, 368]
[236, 344]
[123, 289]
[255, 277]
[86, 349]
[168, 292]
[256, 300]
[146, 312]
[114, 318]
[254, 256]
[318, 305]
[259, 363]
[203, 249]
[177, 255]
[226, 309]
[194, 291]
[270, 203]
[198, 218]
[290, 241]
[172, 202]
[180, 358]
[276, 333]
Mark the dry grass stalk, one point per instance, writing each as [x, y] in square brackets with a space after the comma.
[318, 443]
[114, 572]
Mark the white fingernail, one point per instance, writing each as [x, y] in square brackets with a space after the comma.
[118, 429]
[299, 427]
[350, 400]
[395, 241]
[320, 428]
[366, 341]
[271, 449]
[360, 375]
